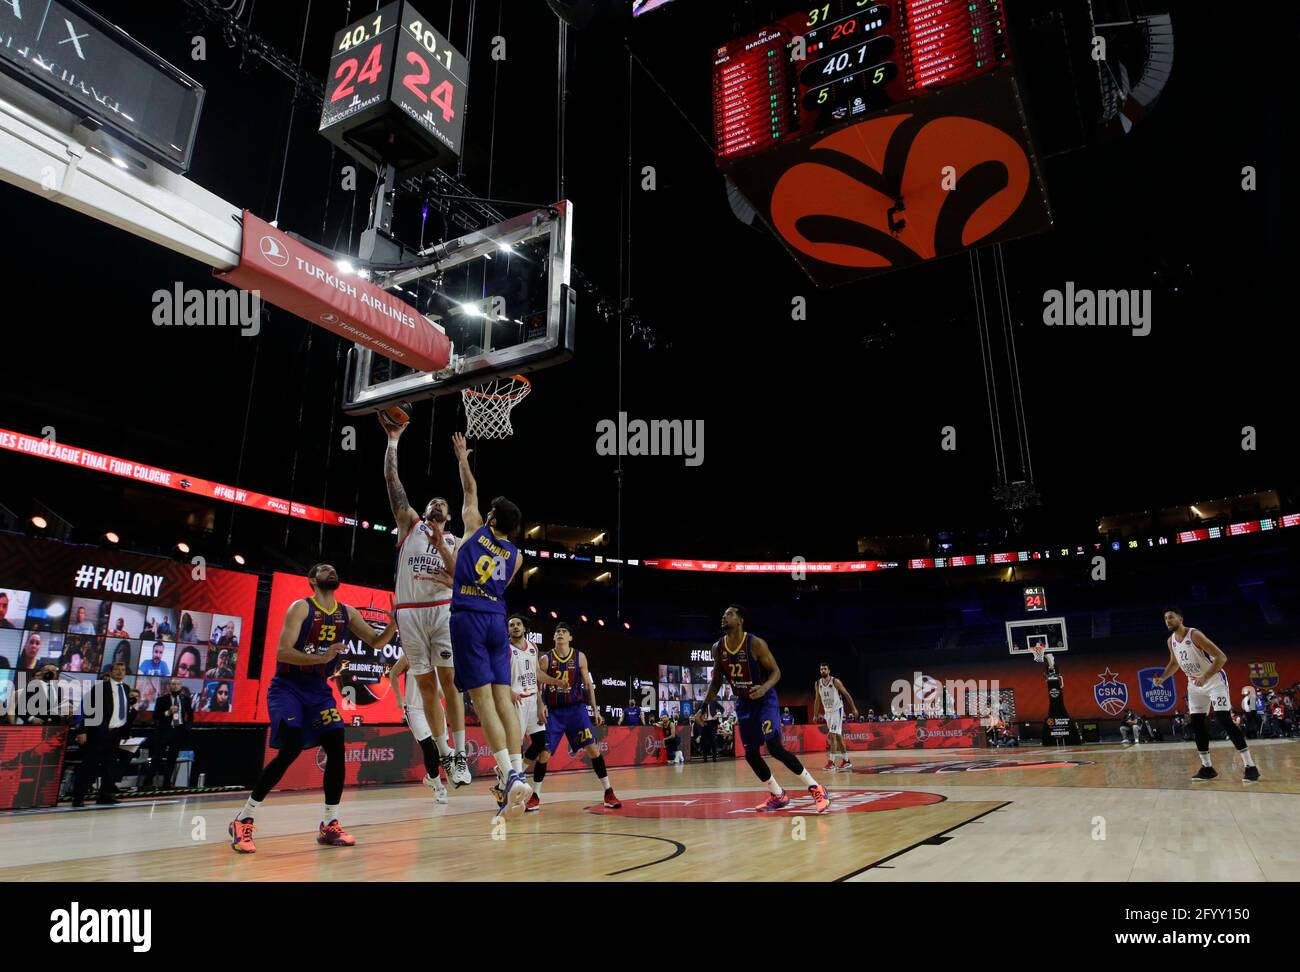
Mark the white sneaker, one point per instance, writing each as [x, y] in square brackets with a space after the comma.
[436, 785]
[459, 775]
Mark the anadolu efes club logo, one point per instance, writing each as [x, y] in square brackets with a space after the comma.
[1111, 694]
[1158, 698]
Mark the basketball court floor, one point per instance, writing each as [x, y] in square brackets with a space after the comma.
[1032, 814]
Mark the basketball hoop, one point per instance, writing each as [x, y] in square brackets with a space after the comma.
[488, 406]
[1039, 652]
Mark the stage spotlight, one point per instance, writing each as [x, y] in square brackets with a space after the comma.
[112, 537]
[39, 522]
[601, 622]
[239, 559]
[183, 547]
[626, 626]
[582, 618]
[532, 608]
[554, 616]
[345, 266]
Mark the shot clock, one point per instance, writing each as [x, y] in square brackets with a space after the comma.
[1035, 599]
[396, 91]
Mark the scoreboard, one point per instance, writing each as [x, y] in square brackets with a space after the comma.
[845, 58]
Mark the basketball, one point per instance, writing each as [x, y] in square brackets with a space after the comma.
[399, 414]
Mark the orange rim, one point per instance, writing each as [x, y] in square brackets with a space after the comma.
[520, 393]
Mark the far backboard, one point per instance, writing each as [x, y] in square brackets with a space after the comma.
[501, 293]
[1048, 633]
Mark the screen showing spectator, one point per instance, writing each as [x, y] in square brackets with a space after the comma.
[13, 608]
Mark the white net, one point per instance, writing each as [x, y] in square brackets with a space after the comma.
[1038, 651]
[488, 406]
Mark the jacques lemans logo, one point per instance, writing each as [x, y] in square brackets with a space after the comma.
[75, 926]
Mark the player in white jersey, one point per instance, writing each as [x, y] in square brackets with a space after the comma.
[422, 595]
[1202, 661]
[413, 709]
[524, 679]
[829, 694]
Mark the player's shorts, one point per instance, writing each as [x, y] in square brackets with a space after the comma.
[527, 709]
[571, 722]
[758, 720]
[835, 722]
[306, 704]
[1214, 697]
[413, 704]
[482, 649]
[426, 637]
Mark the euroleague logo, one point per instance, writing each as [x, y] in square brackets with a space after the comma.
[744, 805]
[838, 205]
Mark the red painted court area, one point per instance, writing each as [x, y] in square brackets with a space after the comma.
[741, 805]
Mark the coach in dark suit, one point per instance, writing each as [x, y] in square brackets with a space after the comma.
[102, 724]
[173, 714]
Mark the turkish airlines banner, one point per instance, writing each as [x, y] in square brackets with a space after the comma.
[390, 754]
[922, 734]
[297, 278]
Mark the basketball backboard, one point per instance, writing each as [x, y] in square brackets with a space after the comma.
[1048, 633]
[501, 294]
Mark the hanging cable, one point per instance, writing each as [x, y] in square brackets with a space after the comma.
[496, 85]
[469, 57]
[293, 110]
[1016, 416]
[1023, 428]
[989, 393]
[561, 103]
[624, 294]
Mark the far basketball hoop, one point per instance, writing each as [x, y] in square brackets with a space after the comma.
[1037, 637]
[488, 406]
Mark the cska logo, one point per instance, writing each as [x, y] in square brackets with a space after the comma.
[960, 179]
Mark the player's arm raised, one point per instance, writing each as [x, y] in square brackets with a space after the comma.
[403, 512]
[469, 511]
[853, 706]
[765, 658]
[1217, 658]
[362, 629]
[287, 653]
[591, 688]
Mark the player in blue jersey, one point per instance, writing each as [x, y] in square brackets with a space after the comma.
[566, 713]
[485, 564]
[746, 662]
[301, 702]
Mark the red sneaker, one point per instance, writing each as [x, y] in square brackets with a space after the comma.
[332, 833]
[611, 801]
[533, 805]
[241, 836]
[821, 800]
[830, 765]
[774, 803]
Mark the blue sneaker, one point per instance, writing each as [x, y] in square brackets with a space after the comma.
[515, 792]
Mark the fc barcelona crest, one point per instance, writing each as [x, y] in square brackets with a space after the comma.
[1263, 675]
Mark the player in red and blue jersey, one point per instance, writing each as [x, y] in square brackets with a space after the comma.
[485, 564]
[301, 703]
[566, 713]
[744, 660]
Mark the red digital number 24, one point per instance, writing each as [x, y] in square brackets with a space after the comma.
[374, 66]
[440, 96]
